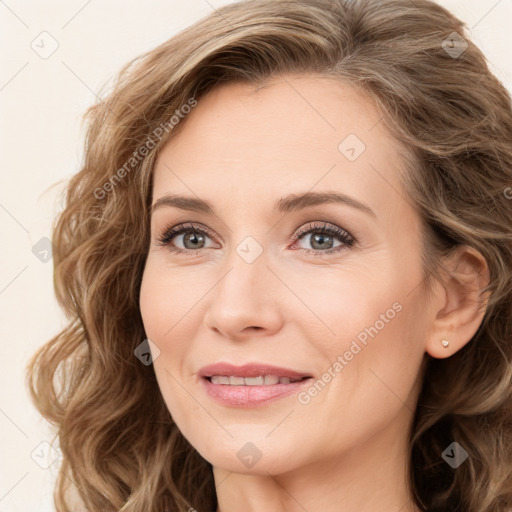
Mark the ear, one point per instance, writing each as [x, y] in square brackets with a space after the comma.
[458, 303]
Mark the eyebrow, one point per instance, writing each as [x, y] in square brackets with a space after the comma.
[286, 204]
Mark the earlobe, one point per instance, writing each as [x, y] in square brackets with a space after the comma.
[460, 304]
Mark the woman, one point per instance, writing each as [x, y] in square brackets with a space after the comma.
[287, 262]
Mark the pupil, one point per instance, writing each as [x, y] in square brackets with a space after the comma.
[320, 239]
[194, 238]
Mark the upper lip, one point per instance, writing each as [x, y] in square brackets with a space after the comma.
[249, 370]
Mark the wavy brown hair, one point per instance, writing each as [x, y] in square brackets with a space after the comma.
[453, 117]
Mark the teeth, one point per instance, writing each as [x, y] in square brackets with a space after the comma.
[260, 380]
[220, 379]
[271, 379]
[254, 381]
[236, 381]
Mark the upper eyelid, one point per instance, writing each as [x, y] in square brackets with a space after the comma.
[182, 226]
[303, 227]
[309, 226]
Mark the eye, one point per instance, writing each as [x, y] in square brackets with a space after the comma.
[193, 236]
[321, 236]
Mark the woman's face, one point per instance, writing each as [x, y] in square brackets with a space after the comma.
[328, 289]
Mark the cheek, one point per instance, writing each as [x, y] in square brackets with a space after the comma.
[160, 308]
[172, 311]
[158, 304]
[167, 299]
[152, 302]
[370, 329]
[340, 303]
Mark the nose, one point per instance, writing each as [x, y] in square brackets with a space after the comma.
[246, 301]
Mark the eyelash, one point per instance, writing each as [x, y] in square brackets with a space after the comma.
[346, 238]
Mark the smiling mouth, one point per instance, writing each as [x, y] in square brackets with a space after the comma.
[260, 380]
[254, 384]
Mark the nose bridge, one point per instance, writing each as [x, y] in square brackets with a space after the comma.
[243, 296]
[247, 273]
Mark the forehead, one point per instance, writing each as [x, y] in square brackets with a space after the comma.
[292, 134]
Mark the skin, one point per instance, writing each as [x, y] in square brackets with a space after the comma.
[243, 148]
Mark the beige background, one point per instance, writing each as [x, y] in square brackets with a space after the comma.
[41, 102]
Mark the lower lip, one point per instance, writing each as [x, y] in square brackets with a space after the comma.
[251, 396]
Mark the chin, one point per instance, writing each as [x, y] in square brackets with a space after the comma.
[253, 455]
